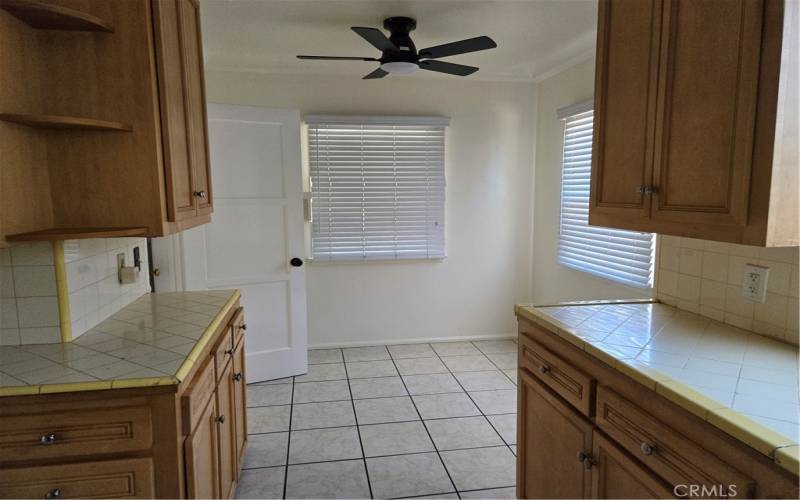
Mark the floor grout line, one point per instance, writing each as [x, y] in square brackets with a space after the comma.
[427, 431]
[358, 430]
[288, 443]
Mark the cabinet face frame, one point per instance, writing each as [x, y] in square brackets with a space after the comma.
[734, 210]
[637, 207]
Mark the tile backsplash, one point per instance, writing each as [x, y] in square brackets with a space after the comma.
[94, 289]
[28, 295]
[706, 277]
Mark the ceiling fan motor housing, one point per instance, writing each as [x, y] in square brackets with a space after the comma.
[400, 27]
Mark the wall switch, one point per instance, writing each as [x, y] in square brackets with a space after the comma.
[754, 284]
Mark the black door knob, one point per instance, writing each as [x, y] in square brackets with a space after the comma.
[296, 262]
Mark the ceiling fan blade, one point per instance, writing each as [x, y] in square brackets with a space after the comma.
[337, 58]
[449, 68]
[460, 47]
[378, 73]
[375, 37]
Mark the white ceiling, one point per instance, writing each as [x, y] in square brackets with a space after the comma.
[534, 37]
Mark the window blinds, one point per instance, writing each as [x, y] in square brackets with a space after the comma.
[623, 256]
[377, 187]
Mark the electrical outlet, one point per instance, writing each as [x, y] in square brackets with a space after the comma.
[754, 284]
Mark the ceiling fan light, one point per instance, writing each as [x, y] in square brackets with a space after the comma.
[400, 67]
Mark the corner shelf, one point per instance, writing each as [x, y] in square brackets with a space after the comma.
[45, 16]
[81, 233]
[64, 122]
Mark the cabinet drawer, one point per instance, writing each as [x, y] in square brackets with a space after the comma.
[223, 353]
[194, 401]
[559, 375]
[668, 453]
[88, 431]
[129, 478]
[239, 326]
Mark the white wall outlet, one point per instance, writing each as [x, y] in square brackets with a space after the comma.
[754, 284]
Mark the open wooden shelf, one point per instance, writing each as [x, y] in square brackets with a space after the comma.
[64, 122]
[79, 233]
[46, 16]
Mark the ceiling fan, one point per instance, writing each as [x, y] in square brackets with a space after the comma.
[400, 56]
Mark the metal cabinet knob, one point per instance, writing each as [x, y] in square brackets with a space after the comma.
[544, 369]
[47, 439]
[200, 194]
[648, 449]
[229, 352]
[585, 459]
[237, 376]
[640, 189]
[221, 419]
[244, 326]
[55, 493]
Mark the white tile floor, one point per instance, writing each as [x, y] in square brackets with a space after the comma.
[432, 420]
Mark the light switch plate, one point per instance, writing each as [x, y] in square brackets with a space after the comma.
[754, 283]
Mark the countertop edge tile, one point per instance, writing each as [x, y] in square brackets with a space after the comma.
[789, 457]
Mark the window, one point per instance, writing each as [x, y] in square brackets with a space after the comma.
[623, 256]
[377, 187]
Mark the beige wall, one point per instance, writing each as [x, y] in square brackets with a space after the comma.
[551, 281]
[489, 153]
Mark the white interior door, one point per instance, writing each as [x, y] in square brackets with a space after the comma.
[255, 233]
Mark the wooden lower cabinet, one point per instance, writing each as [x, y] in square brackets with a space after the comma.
[616, 475]
[552, 437]
[202, 456]
[621, 439]
[170, 441]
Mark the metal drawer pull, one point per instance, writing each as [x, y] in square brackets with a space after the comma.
[544, 369]
[648, 449]
[221, 419]
[56, 493]
[47, 439]
[237, 376]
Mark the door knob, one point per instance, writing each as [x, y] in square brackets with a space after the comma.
[296, 262]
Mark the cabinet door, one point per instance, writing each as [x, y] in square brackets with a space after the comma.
[226, 421]
[616, 475]
[179, 178]
[708, 85]
[551, 435]
[195, 102]
[625, 104]
[201, 450]
[240, 400]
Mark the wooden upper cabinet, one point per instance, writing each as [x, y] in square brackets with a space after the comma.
[625, 98]
[108, 129]
[707, 102]
[690, 131]
[553, 440]
[183, 108]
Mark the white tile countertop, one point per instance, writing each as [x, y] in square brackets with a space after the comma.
[741, 382]
[153, 341]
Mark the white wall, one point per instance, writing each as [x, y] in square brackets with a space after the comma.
[551, 281]
[489, 159]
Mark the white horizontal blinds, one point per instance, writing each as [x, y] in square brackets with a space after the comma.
[623, 256]
[377, 188]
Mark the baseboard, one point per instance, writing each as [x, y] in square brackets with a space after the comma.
[425, 340]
